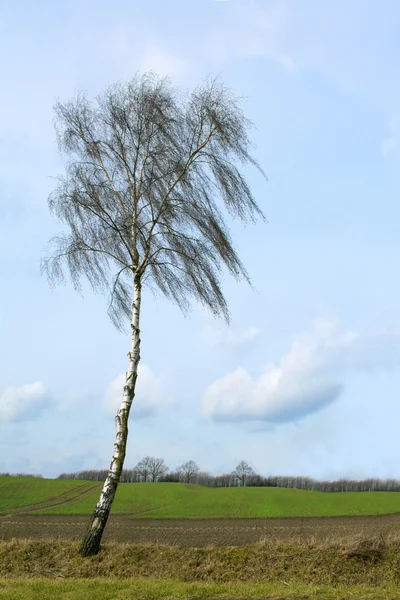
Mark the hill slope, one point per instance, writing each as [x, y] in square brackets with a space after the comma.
[172, 500]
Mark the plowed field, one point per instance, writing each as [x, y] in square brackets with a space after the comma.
[202, 532]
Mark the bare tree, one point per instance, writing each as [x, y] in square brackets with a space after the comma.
[205, 478]
[189, 471]
[158, 469]
[129, 476]
[243, 472]
[225, 480]
[171, 477]
[142, 199]
[143, 468]
[151, 468]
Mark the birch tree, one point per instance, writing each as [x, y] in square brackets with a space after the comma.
[150, 173]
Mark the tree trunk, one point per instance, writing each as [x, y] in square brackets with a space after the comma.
[92, 539]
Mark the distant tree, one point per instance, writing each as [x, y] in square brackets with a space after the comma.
[129, 476]
[171, 477]
[37, 475]
[256, 481]
[92, 475]
[225, 480]
[205, 478]
[230, 480]
[143, 198]
[243, 472]
[143, 468]
[189, 471]
[157, 468]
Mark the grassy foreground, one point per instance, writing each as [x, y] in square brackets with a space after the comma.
[143, 589]
[172, 500]
[264, 562]
[49, 570]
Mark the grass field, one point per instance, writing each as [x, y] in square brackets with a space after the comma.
[16, 492]
[180, 501]
[354, 556]
[145, 589]
[49, 570]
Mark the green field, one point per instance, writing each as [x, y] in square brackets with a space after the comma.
[147, 589]
[173, 501]
[16, 492]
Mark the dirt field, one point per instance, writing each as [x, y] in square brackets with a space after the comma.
[201, 533]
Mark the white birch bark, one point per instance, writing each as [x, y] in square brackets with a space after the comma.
[91, 542]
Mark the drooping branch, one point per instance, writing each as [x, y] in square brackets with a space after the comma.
[148, 181]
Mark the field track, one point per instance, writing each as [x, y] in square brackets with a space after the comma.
[61, 500]
[202, 532]
[193, 516]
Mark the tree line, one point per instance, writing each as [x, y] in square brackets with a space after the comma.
[151, 469]
[21, 475]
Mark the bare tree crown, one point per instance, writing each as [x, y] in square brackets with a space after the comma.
[151, 467]
[189, 470]
[144, 190]
[242, 472]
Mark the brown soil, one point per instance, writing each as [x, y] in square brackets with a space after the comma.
[202, 533]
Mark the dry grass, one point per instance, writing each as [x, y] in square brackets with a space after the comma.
[371, 562]
[372, 550]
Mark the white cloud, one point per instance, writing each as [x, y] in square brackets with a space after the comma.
[306, 379]
[148, 397]
[226, 336]
[24, 402]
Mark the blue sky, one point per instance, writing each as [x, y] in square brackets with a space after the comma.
[306, 379]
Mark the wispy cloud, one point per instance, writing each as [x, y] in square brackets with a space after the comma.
[227, 336]
[306, 379]
[24, 403]
[155, 58]
[251, 31]
[242, 30]
[150, 50]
